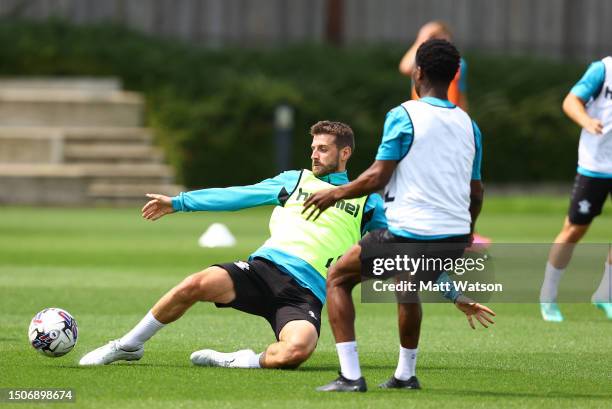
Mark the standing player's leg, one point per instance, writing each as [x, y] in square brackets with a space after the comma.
[410, 312]
[588, 197]
[342, 277]
[558, 258]
[409, 318]
[602, 297]
[213, 284]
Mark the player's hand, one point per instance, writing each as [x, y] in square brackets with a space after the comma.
[594, 126]
[472, 310]
[318, 202]
[158, 206]
[427, 32]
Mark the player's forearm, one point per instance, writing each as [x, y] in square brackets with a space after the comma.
[445, 281]
[370, 181]
[224, 199]
[575, 110]
[406, 65]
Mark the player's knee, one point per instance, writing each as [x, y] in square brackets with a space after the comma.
[189, 289]
[337, 277]
[572, 233]
[294, 355]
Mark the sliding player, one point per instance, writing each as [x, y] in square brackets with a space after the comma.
[284, 280]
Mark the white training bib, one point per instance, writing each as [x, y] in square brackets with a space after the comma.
[429, 192]
[595, 151]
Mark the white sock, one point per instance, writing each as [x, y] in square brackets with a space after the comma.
[604, 291]
[246, 359]
[349, 360]
[406, 365]
[552, 277]
[141, 333]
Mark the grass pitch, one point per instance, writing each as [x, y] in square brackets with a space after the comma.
[108, 266]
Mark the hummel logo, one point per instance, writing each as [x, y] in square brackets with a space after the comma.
[350, 208]
[585, 206]
[243, 265]
[312, 314]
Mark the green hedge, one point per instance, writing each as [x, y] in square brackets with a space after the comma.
[213, 109]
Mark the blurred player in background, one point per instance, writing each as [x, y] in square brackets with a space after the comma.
[429, 166]
[457, 90]
[458, 86]
[589, 104]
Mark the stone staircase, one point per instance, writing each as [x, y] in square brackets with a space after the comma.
[76, 142]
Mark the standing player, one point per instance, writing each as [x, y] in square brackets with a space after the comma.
[284, 280]
[457, 89]
[589, 104]
[429, 166]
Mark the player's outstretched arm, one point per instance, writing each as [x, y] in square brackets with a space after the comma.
[158, 206]
[574, 108]
[472, 310]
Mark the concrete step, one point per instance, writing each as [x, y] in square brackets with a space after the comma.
[111, 153]
[128, 173]
[97, 84]
[105, 135]
[75, 184]
[62, 108]
[31, 145]
[115, 135]
[74, 145]
[123, 191]
[139, 173]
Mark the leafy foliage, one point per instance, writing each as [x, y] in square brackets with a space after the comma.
[212, 109]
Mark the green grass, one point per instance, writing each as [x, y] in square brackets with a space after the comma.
[108, 266]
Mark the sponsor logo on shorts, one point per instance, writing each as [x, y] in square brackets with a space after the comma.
[585, 206]
[243, 265]
[312, 314]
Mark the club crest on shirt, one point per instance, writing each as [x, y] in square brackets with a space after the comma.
[585, 206]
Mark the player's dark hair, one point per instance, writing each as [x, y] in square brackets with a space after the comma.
[343, 133]
[439, 61]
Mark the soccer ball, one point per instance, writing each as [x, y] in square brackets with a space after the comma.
[53, 332]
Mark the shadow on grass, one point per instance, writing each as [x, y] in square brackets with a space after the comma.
[336, 368]
[495, 394]
[125, 365]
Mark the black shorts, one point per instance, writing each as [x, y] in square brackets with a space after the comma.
[383, 243]
[263, 289]
[588, 197]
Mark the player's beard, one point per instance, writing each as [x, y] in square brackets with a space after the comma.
[320, 169]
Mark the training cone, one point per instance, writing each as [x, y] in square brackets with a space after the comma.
[217, 235]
